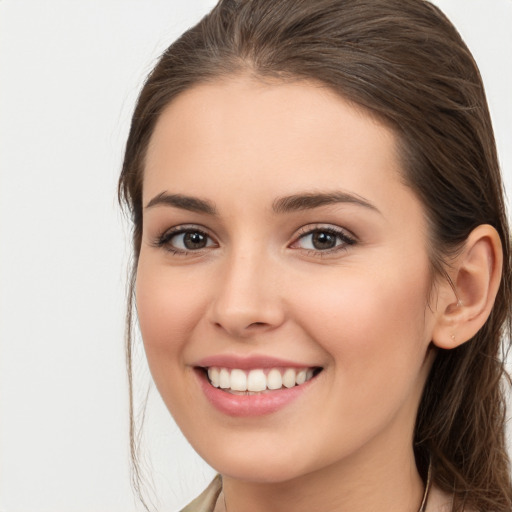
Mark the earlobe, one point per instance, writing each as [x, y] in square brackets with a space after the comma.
[476, 278]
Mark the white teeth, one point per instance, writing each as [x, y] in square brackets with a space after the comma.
[258, 380]
[300, 378]
[289, 378]
[238, 380]
[224, 380]
[274, 379]
[213, 375]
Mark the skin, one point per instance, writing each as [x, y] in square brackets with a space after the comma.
[361, 312]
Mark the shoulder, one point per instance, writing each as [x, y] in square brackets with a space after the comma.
[207, 500]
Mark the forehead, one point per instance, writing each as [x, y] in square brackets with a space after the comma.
[277, 138]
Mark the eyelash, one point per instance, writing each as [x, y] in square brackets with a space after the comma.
[341, 234]
[163, 241]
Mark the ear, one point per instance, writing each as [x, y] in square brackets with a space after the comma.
[476, 276]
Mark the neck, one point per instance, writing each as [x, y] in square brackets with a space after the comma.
[388, 483]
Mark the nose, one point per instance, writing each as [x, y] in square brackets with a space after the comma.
[247, 300]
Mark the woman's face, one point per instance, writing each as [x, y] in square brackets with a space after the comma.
[280, 244]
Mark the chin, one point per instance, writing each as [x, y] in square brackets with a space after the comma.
[265, 473]
[260, 467]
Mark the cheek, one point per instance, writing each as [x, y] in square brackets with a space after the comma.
[168, 306]
[370, 323]
[373, 328]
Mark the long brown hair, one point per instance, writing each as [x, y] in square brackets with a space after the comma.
[404, 62]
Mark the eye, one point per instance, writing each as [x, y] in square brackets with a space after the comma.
[323, 239]
[183, 240]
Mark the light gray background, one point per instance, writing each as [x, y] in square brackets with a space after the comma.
[69, 74]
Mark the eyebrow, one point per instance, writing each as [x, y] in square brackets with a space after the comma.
[309, 201]
[193, 204]
[296, 202]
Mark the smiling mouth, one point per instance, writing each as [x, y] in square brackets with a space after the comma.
[257, 381]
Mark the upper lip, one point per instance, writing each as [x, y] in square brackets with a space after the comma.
[248, 362]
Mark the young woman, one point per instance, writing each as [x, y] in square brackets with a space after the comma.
[322, 265]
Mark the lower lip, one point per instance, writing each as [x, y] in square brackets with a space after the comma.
[250, 405]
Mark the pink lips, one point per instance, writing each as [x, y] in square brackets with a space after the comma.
[251, 404]
[247, 363]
